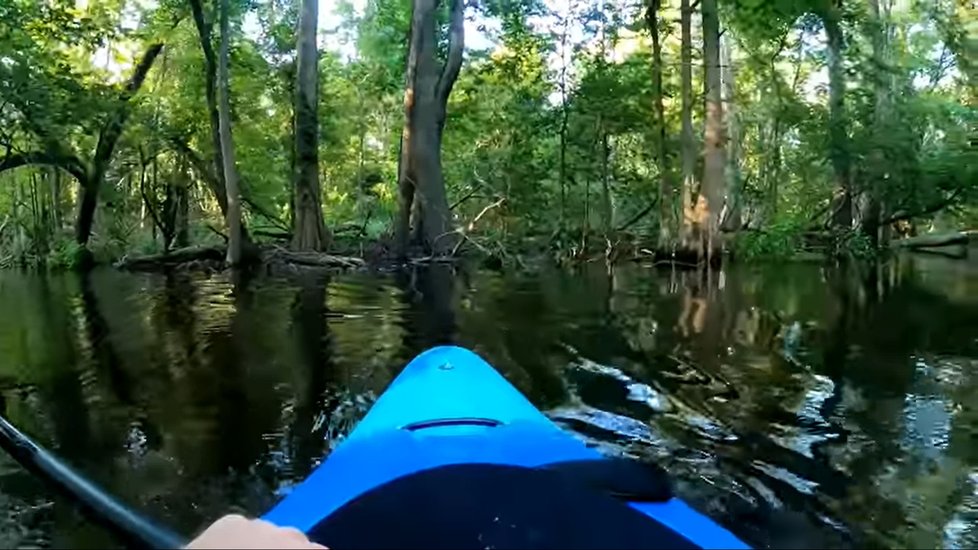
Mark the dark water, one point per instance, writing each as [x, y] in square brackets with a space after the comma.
[798, 405]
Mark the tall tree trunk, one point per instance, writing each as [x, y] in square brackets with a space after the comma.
[564, 113]
[210, 95]
[309, 230]
[687, 140]
[838, 125]
[421, 183]
[870, 203]
[732, 220]
[55, 178]
[714, 139]
[233, 218]
[667, 206]
[165, 229]
[606, 206]
[181, 217]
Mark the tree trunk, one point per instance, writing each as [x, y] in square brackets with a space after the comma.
[171, 207]
[667, 207]
[166, 228]
[227, 146]
[210, 95]
[732, 221]
[564, 113]
[838, 126]
[714, 139]
[55, 178]
[606, 206]
[688, 142]
[309, 230]
[421, 183]
[181, 218]
[871, 209]
[86, 211]
[405, 187]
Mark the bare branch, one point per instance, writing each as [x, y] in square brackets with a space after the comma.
[69, 164]
[481, 213]
[929, 209]
[112, 130]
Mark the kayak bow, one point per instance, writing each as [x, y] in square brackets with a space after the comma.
[449, 408]
[450, 456]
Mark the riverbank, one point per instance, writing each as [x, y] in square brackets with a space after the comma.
[377, 253]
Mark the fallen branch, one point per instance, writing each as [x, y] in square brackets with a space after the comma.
[634, 219]
[433, 260]
[932, 240]
[955, 252]
[179, 256]
[217, 232]
[925, 211]
[466, 238]
[280, 235]
[257, 208]
[314, 259]
[464, 198]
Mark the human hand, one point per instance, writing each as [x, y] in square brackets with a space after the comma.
[234, 531]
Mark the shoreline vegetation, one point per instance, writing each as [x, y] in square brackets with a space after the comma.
[225, 133]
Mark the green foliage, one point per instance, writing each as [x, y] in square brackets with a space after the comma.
[66, 254]
[780, 240]
[549, 140]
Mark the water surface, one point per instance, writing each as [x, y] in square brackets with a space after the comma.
[796, 404]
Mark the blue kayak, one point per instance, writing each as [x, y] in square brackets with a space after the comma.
[450, 409]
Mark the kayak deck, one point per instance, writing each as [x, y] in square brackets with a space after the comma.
[447, 407]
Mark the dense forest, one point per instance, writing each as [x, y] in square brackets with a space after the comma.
[684, 129]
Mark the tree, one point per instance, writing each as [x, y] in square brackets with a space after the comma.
[688, 143]
[233, 216]
[830, 12]
[55, 152]
[210, 95]
[666, 185]
[604, 139]
[309, 231]
[869, 215]
[423, 201]
[714, 137]
[732, 218]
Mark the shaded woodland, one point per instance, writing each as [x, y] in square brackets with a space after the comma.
[680, 129]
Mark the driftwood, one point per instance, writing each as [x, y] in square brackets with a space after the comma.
[932, 240]
[179, 256]
[313, 259]
[217, 253]
[955, 252]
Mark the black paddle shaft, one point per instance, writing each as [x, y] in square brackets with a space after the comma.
[133, 528]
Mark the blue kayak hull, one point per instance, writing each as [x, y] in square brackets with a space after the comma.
[448, 406]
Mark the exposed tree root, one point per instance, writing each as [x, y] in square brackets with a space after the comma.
[191, 254]
[213, 256]
[312, 259]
